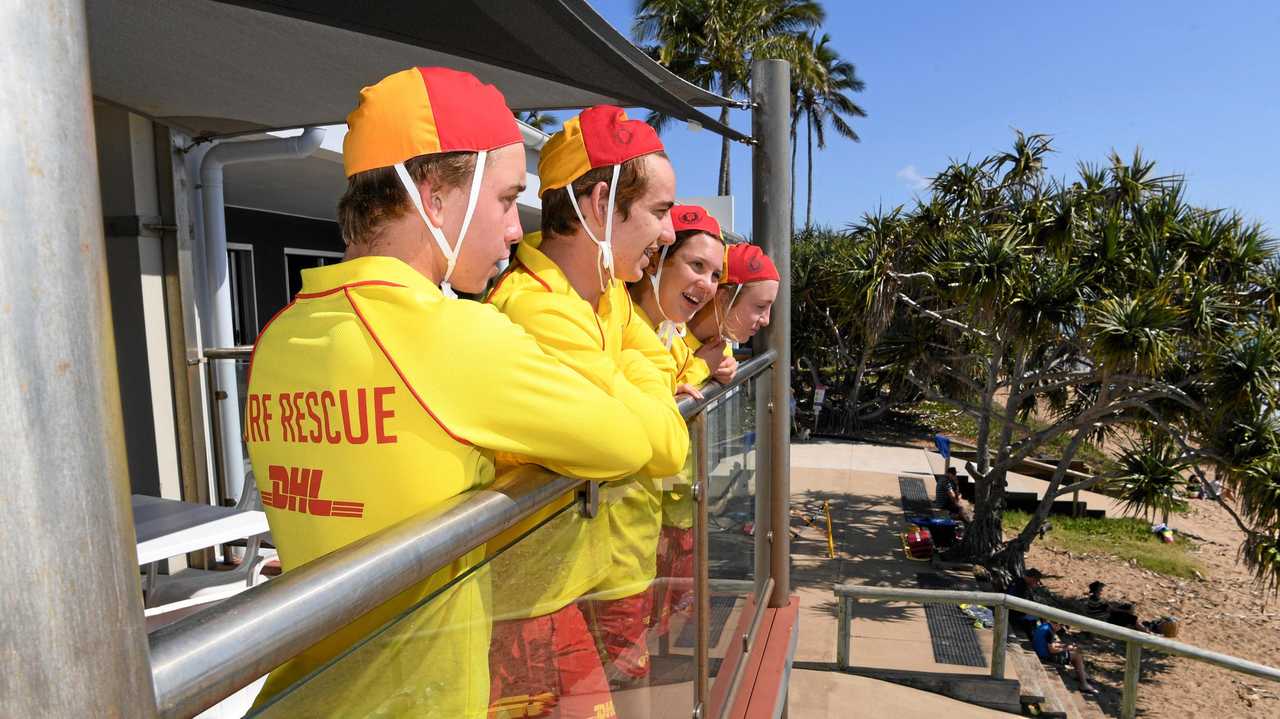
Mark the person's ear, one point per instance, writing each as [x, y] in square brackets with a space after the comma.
[432, 202]
[599, 202]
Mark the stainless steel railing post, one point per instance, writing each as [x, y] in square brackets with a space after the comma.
[702, 583]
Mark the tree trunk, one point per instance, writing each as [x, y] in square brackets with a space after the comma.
[808, 210]
[986, 532]
[723, 187]
[1032, 530]
[855, 394]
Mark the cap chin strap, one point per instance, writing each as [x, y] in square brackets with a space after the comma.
[450, 253]
[667, 329]
[720, 321]
[604, 249]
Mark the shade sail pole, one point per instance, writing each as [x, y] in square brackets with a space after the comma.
[771, 229]
[71, 602]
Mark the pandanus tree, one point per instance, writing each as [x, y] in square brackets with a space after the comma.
[1105, 303]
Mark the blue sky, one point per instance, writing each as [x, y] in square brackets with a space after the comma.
[1195, 84]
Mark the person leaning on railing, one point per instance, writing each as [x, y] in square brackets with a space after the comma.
[678, 283]
[741, 308]
[375, 394]
[607, 188]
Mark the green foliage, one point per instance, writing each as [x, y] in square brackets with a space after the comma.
[1054, 313]
[1127, 539]
[1150, 479]
[712, 43]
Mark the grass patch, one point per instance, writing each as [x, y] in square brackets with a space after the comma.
[1126, 537]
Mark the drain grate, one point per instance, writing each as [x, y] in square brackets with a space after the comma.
[721, 608]
[950, 630]
[915, 500]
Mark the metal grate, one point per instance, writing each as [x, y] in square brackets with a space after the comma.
[915, 500]
[950, 630]
[721, 608]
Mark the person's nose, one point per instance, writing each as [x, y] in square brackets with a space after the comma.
[668, 234]
[514, 229]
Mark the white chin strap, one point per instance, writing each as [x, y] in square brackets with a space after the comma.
[450, 253]
[721, 321]
[667, 330]
[604, 248]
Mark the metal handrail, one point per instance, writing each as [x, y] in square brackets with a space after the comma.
[1134, 640]
[222, 353]
[205, 657]
[714, 390]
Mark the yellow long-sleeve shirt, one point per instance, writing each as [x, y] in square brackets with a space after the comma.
[618, 352]
[371, 398]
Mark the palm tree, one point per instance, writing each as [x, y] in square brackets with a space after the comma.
[712, 43]
[824, 97]
[538, 120]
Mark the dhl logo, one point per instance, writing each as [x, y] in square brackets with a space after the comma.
[297, 489]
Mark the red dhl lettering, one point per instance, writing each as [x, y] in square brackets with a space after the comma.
[322, 417]
[297, 489]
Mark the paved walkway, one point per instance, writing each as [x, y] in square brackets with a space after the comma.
[860, 482]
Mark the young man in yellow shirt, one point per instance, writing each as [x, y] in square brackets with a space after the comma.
[375, 395]
[607, 190]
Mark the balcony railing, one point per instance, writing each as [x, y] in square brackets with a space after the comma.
[847, 595]
[204, 658]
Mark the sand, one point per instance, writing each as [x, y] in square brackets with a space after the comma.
[1225, 611]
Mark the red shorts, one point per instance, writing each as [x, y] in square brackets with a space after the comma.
[675, 565]
[547, 667]
[621, 631]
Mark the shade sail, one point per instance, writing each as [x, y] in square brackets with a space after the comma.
[214, 68]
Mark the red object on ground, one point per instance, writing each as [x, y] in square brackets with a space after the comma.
[918, 543]
[547, 666]
[621, 631]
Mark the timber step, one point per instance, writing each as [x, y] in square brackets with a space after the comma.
[1041, 689]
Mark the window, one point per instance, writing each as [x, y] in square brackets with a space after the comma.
[244, 297]
[296, 260]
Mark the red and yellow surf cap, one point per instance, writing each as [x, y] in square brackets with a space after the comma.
[598, 137]
[693, 217]
[746, 263]
[422, 111]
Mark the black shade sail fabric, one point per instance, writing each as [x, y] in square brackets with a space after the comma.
[215, 68]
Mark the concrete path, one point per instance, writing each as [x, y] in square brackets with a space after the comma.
[815, 694]
[860, 483]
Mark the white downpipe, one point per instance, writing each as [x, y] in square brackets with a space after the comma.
[215, 254]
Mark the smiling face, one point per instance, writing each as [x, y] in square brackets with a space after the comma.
[750, 311]
[647, 226]
[690, 276]
[495, 224]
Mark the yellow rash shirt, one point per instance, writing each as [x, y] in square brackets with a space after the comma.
[613, 348]
[372, 398]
